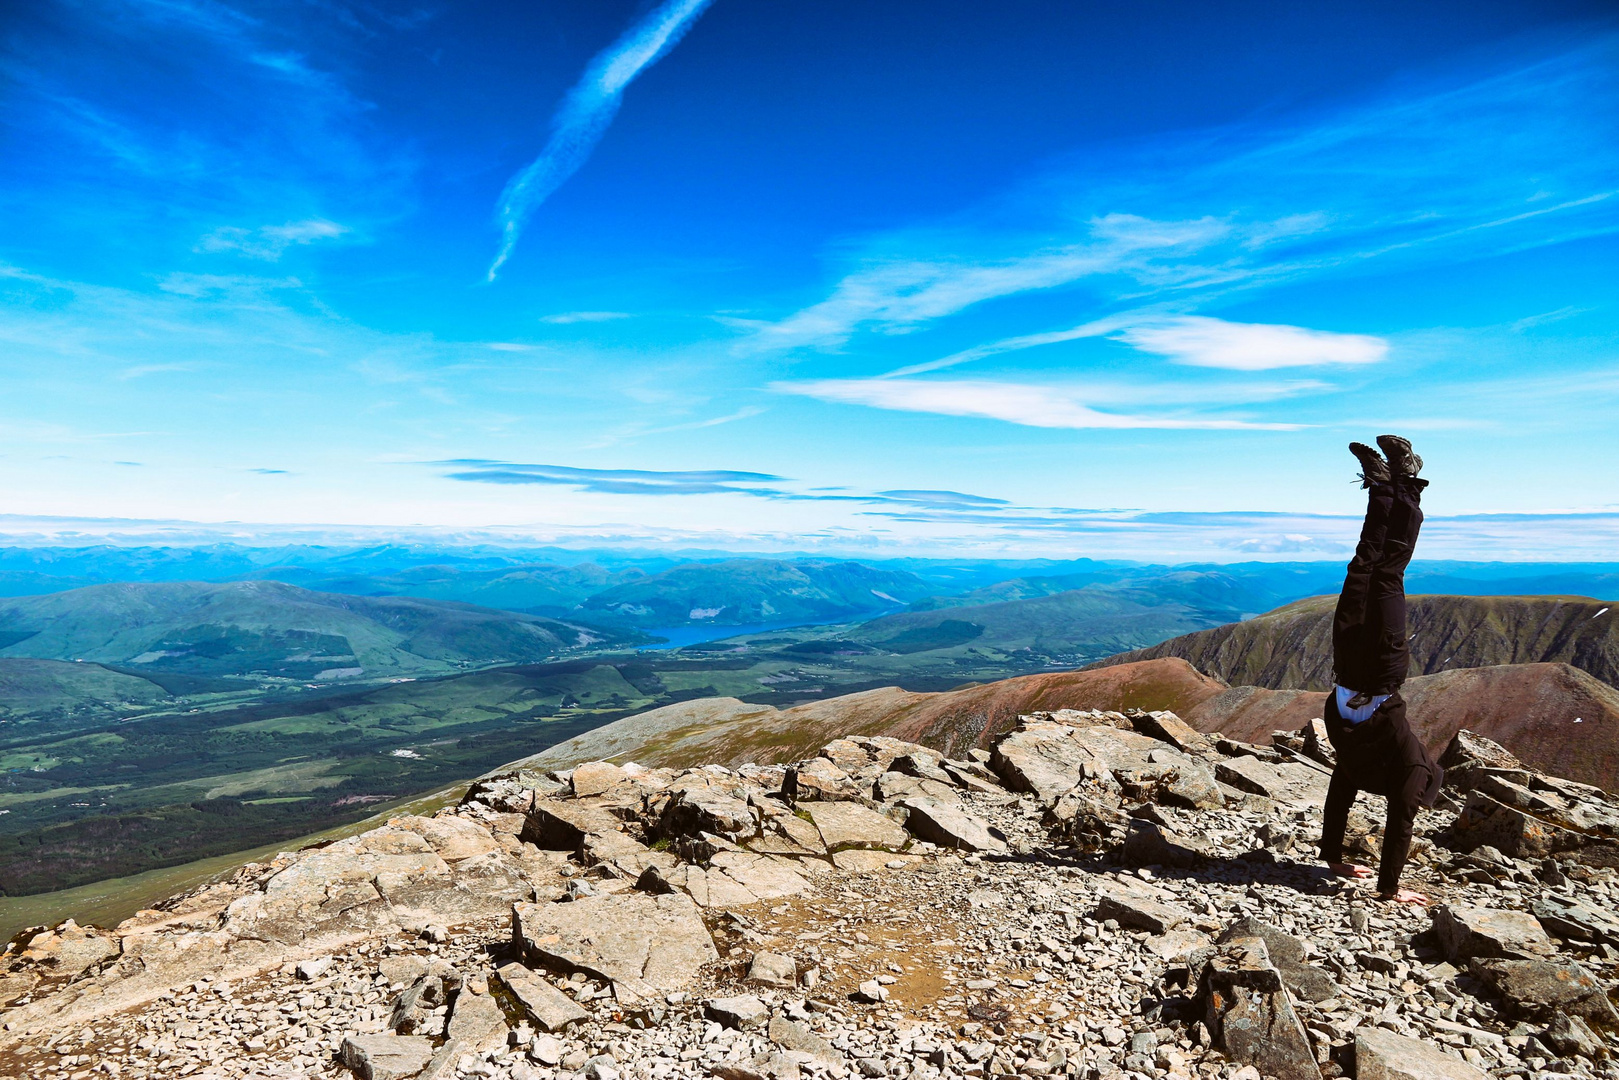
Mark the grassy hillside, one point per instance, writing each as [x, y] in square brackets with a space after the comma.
[739, 592]
[1291, 648]
[541, 588]
[272, 629]
[1067, 628]
[57, 693]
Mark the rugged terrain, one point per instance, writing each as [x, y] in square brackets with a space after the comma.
[1557, 718]
[1291, 648]
[1089, 895]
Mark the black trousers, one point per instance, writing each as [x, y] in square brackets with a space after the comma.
[1369, 645]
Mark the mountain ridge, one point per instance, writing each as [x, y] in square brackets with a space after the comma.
[1290, 648]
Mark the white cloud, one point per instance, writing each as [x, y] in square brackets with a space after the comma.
[1017, 403]
[1205, 342]
[584, 114]
[566, 317]
[269, 242]
[902, 295]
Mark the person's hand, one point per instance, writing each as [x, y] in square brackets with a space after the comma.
[1405, 896]
[1350, 870]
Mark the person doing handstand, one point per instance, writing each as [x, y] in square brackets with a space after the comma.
[1365, 714]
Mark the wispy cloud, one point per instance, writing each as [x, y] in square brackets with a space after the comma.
[1205, 342]
[612, 481]
[1197, 340]
[586, 112]
[1462, 168]
[565, 318]
[270, 242]
[942, 500]
[1018, 403]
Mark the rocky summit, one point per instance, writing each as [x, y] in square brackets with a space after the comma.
[1094, 894]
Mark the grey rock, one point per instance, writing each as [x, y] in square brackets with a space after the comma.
[310, 970]
[658, 940]
[1570, 918]
[1169, 728]
[1572, 1037]
[476, 1022]
[773, 969]
[1539, 989]
[546, 1049]
[850, 825]
[595, 777]
[791, 1035]
[1149, 844]
[948, 825]
[697, 810]
[412, 1007]
[1384, 1055]
[549, 1008]
[386, 1057]
[1139, 909]
[741, 1012]
[563, 825]
[1246, 1007]
[1464, 932]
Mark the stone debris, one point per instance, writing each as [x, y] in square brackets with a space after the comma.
[1383, 1055]
[1102, 896]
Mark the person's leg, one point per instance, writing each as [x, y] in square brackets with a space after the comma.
[1402, 813]
[1385, 629]
[1354, 641]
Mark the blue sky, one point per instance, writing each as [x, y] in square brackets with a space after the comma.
[853, 277]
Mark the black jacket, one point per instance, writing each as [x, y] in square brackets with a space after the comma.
[1381, 755]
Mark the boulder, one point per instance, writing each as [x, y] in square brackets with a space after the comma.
[850, 825]
[1169, 728]
[1464, 932]
[70, 948]
[561, 825]
[1486, 820]
[386, 1057]
[773, 969]
[595, 777]
[1573, 1038]
[1572, 919]
[412, 1008]
[658, 940]
[452, 837]
[1291, 784]
[948, 825]
[1042, 759]
[818, 779]
[697, 810]
[897, 785]
[1304, 982]
[741, 1012]
[1382, 1055]
[549, 1008]
[476, 1021]
[1249, 1014]
[1467, 750]
[790, 1035]
[1149, 844]
[1139, 909]
[1541, 989]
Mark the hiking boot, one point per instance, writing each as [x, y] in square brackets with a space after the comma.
[1402, 462]
[1373, 469]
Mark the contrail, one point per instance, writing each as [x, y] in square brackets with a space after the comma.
[586, 111]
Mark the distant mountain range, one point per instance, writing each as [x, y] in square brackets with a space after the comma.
[276, 630]
[1291, 648]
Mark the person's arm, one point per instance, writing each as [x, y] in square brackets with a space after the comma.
[1334, 819]
[1397, 836]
